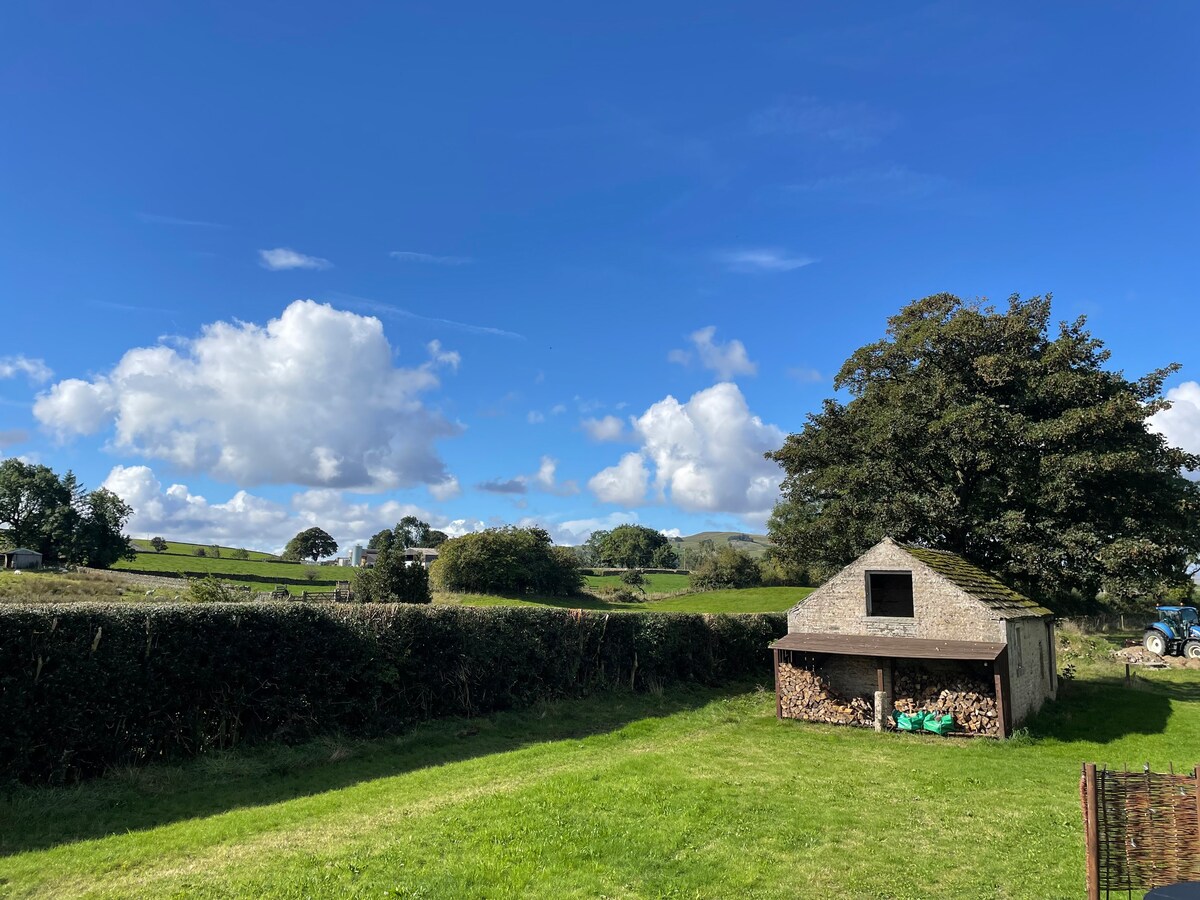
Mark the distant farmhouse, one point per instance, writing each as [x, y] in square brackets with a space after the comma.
[359, 557]
[923, 628]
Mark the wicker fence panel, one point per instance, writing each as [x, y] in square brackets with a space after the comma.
[1142, 829]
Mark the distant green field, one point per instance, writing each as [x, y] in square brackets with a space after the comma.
[655, 584]
[772, 599]
[179, 558]
[185, 549]
[755, 544]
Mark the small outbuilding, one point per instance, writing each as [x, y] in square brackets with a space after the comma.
[907, 628]
[20, 558]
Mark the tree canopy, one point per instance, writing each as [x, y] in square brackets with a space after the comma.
[392, 580]
[312, 543]
[56, 516]
[634, 546]
[975, 430]
[507, 560]
[409, 532]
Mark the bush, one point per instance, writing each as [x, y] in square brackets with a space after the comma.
[210, 590]
[199, 551]
[727, 568]
[507, 560]
[392, 580]
[779, 573]
[158, 544]
[241, 553]
[311, 573]
[90, 686]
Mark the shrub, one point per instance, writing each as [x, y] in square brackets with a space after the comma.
[89, 686]
[311, 573]
[635, 579]
[391, 580]
[158, 544]
[199, 551]
[210, 590]
[727, 568]
[507, 560]
[780, 573]
[215, 551]
[241, 553]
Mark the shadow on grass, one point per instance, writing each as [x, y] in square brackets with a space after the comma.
[34, 818]
[1101, 710]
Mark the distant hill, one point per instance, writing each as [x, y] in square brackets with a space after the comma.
[753, 544]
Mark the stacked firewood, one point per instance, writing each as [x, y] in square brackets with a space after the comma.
[968, 699]
[806, 695]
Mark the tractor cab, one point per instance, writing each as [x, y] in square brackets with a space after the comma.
[1175, 633]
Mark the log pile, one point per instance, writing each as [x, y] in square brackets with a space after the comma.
[806, 695]
[968, 699]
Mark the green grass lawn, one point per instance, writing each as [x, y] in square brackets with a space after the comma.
[693, 793]
[655, 583]
[772, 599]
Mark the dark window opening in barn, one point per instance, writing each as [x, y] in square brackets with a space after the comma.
[890, 594]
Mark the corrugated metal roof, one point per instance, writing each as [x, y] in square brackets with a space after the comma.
[985, 588]
[888, 647]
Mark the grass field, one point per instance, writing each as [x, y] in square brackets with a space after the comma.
[688, 794]
[178, 558]
[771, 599]
[655, 583]
[184, 549]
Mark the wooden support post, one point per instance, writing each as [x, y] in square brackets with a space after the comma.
[778, 696]
[1003, 703]
[1091, 831]
[1196, 775]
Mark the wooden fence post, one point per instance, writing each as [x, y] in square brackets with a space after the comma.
[1091, 828]
[778, 696]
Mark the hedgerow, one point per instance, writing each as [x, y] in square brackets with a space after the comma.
[86, 686]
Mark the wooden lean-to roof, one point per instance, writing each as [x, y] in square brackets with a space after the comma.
[887, 646]
[981, 586]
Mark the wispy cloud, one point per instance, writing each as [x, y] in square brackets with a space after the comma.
[762, 259]
[533, 417]
[727, 360]
[508, 486]
[433, 259]
[609, 428]
[129, 307]
[854, 126]
[386, 309]
[806, 375]
[35, 370]
[874, 185]
[282, 258]
[13, 436]
[155, 219]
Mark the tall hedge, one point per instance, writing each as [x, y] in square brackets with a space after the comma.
[85, 686]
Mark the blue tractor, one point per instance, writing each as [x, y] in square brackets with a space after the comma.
[1176, 633]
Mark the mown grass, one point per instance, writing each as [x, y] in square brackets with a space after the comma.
[748, 600]
[182, 548]
[694, 793]
[656, 583]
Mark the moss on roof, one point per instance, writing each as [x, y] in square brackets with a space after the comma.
[985, 588]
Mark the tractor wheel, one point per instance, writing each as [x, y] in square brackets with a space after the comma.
[1192, 649]
[1155, 643]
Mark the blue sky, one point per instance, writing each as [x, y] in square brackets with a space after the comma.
[568, 266]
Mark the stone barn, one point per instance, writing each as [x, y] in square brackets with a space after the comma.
[908, 628]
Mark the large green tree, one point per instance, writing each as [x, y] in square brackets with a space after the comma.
[634, 546]
[392, 580]
[505, 561]
[312, 543]
[979, 431]
[409, 532]
[56, 516]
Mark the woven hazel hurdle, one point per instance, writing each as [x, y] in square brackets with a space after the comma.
[1142, 829]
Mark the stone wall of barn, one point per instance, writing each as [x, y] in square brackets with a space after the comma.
[1031, 666]
[940, 609]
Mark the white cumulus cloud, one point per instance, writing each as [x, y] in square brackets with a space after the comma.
[610, 428]
[246, 520]
[625, 483]
[282, 258]
[726, 360]
[35, 370]
[544, 479]
[1180, 424]
[311, 398]
[707, 456]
